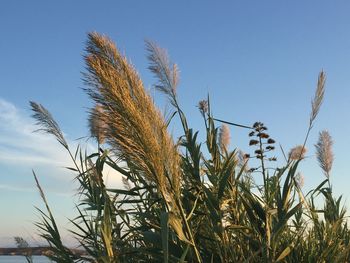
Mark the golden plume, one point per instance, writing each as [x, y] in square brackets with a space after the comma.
[135, 128]
[97, 124]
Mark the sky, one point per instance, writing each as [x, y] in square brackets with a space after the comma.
[258, 61]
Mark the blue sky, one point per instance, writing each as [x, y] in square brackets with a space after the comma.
[258, 60]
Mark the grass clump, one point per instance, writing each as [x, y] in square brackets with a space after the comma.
[187, 201]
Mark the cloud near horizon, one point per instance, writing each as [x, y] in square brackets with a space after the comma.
[20, 143]
[23, 150]
[22, 147]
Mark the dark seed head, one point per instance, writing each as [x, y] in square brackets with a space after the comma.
[270, 148]
[256, 124]
[270, 141]
[253, 142]
[258, 152]
[263, 135]
[251, 133]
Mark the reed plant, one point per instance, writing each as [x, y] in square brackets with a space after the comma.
[23, 244]
[184, 200]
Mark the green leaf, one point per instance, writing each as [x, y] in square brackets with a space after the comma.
[152, 237]
[213, 206]
[164, 219]
[123, 192]
[228, 170]
[320, 186]
[184, 254]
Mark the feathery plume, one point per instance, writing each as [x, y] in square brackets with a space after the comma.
[297, 153]
[203, 106]
[97, 124]
[136, 129]
[318, 99]
[48, 124]
[324, 152]
[300, 179]
[167, 73]
[224, 137]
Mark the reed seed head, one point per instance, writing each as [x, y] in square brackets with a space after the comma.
[97, 124]
[167, 73]
[300, 179]
[203, 106]
[224, 137]
[47, 123]
[297, 153]
[324, 152]
[136, 129]
[318, 98]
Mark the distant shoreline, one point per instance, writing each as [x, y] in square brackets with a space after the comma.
[35, 251]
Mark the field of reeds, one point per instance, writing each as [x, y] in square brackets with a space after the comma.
[185, 200]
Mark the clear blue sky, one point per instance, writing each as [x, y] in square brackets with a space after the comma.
[258, 60]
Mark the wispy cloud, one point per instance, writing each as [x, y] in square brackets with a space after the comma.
[21, 150]
[15, 188]
[19, 143]
[22, 147]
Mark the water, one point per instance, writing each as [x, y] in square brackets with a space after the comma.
[21, 259]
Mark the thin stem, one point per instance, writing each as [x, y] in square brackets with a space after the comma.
[188, 230]
[233, 124]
